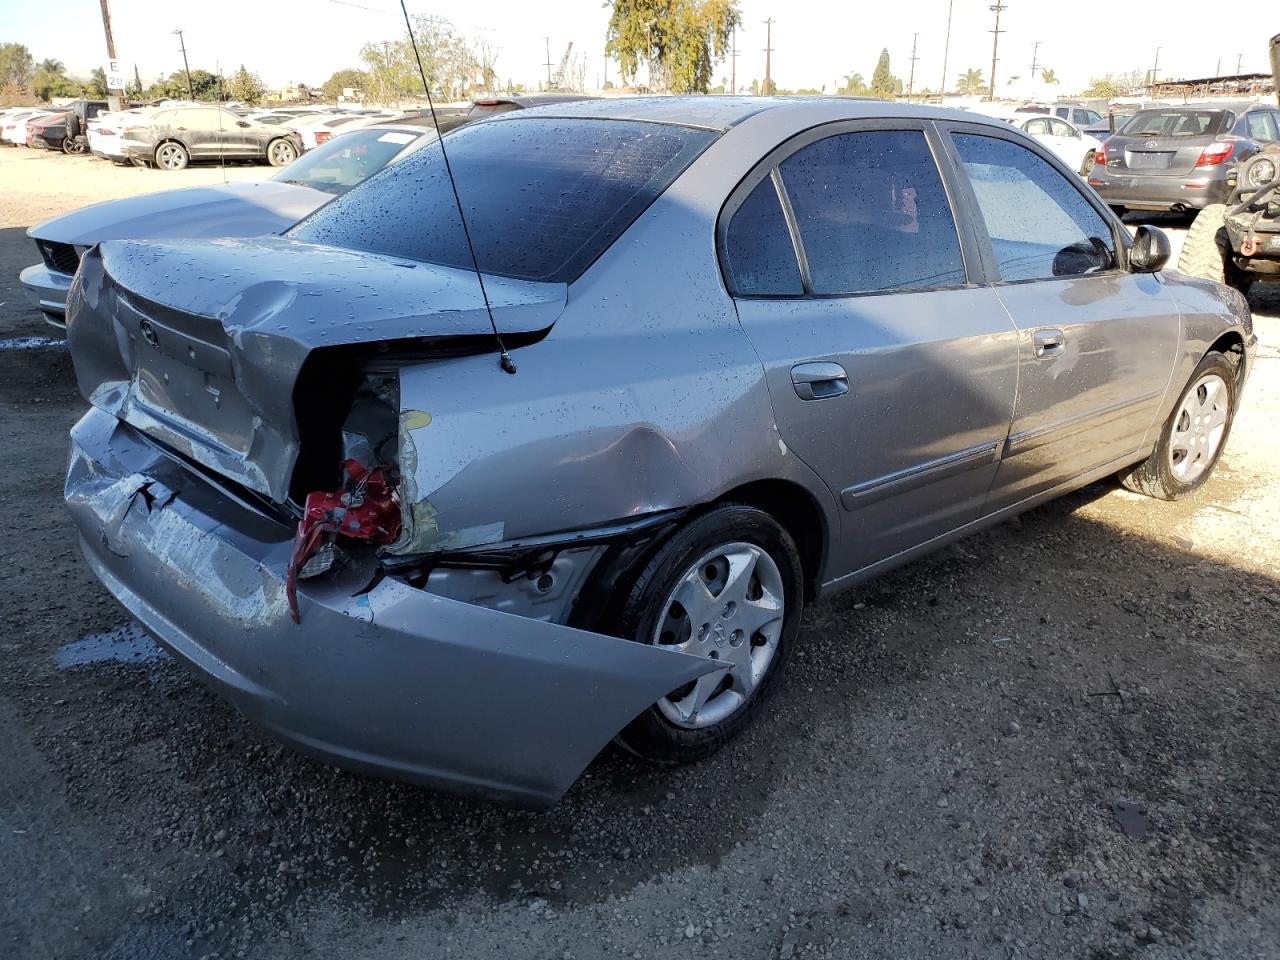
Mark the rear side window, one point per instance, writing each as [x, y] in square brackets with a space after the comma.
[1262, 126]
[872, 214]
[759, 257]
[1039, 223]
[543, 196]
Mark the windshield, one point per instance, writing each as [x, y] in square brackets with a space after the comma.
[337, 166]
[543, 196]
[1176, 123]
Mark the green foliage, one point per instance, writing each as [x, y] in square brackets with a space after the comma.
[51, 80]
[971, 83]
[1103, 87]
[16, 66]
[680, 41]
[341, 80]
[883, 83]
[203, 84]
[1048, 76]
[446, 59]
[96, 88]
[854, 85]
[245, 87]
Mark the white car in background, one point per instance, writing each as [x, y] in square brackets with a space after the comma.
[1072, 145]
[14, 130]
[104, 133]
[321, 129]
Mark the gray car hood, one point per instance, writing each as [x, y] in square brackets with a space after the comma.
[220, 210]
[200, 343]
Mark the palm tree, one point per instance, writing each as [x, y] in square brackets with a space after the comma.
[54, 68]
[853, 83]
[1048, 76]
[970, 82]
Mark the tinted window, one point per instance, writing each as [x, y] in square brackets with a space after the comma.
[352, 158]
[1090, 117]
[872, 213]
[1039, 223]
[759, 258]
[543, 197]
[1177, 123]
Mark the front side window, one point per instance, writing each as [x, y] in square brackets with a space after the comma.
[872, 214]
[543, 196]
[759, 258]
[1040, 225]
[1060, 128]
[1037, 127]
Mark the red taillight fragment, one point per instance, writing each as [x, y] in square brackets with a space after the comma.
[364, 509]
[1215, 153]
[322, 136]
[1100, 155]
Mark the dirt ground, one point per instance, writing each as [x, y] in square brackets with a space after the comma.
[1060, 738]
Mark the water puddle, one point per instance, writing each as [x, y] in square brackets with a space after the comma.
[31, 343]
[126, 643]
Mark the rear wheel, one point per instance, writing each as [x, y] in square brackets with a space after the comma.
[172, 156]
[281, 153]
[73, 147]
[1087, 164]
[1193, 436]
[1206, 251]
[727, 587]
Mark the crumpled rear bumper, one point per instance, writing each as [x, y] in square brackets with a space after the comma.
[395, 681]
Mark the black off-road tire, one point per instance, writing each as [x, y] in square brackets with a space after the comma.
[652, 735]
[1206, 251]
[1153, 476]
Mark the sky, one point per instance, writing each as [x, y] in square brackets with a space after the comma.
[815, 43]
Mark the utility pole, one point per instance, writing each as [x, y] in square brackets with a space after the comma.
[191, 93]
[946, 49]
[733, 63]
[386, 73]
[997, 8]
[1155, 67]
[1239, 60]
[1035, 57]
[111, 44]
[548, 39]
[768, 53]
[911, 82]
[1217, 71]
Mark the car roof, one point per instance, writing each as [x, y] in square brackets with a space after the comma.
[721, 113]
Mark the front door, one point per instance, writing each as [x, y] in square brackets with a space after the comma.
[1097, 344]
[891, 375]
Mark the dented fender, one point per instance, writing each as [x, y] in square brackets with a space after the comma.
[393, 680]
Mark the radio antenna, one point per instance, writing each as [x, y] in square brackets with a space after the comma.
[508, 365]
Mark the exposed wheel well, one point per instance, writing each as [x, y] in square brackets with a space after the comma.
[1231, 345]
[793, 507]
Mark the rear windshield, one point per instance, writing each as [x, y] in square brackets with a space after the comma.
[1177, 123]
[543, 196]
[337, 166]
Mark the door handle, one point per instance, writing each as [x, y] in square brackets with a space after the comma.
[819, 380]
[1048, 343]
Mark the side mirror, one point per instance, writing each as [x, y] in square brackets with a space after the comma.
[242, 123]
[1150, 251]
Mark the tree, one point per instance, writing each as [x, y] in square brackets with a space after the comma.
[15, 65]
[1115, 84]
[854, 85]
[96, 88]
[349, 79]
[970, 82]
[883, 83]
[1048, 76]
[245, 86]
[446, 60]
[485, 56]
[679, 41]
[51, 81]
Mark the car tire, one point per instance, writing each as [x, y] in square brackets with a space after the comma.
[281, 153]
[746, 563]
[73, 148]
[1206, 250]
[171, 155]
[1087, 164]
[1192, 439]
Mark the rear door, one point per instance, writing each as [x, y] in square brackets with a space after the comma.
[1097, 343]
[892, 372]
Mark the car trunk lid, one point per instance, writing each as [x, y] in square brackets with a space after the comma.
[200, 344]
[1157, 156]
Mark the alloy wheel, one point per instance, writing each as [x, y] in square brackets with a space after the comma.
[1199, 427]
[727, 606]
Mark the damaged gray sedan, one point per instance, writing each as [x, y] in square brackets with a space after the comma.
[759, 350]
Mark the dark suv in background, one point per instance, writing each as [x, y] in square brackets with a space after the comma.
[1181, 158]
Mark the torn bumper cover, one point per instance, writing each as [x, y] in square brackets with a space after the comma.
[395, 681]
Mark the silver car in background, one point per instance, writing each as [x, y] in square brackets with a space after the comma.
[173, 137]
[245, 209]
[759, 350]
